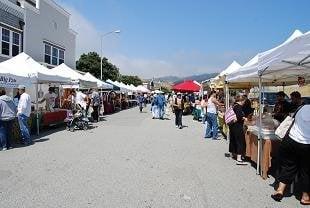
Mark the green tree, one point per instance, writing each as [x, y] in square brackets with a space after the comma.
[91, 63]
[127, 79]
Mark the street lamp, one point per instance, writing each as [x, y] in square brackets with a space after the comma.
[101, 37]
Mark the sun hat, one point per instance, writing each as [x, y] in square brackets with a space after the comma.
[21, 87]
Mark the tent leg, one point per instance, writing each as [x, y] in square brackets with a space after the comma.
[259, 137]
[37, 109]
[227, 106]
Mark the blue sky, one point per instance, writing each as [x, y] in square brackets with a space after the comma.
[183, 37]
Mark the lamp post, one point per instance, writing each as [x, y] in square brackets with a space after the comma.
[101, 37]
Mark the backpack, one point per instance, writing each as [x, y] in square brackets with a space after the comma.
[96, 99]
[230, 116]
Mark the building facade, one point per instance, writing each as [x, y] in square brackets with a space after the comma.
[11, 29]
[39, 28]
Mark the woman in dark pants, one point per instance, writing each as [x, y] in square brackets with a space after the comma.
[236, 132]
[294, 156]
[178, 106]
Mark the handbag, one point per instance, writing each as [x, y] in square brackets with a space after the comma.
[230, 116]
[284, 128]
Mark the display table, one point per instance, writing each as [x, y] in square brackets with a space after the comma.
[53, 118]
[270, 145]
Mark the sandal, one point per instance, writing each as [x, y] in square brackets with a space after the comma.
[277, 197]
[304, 202]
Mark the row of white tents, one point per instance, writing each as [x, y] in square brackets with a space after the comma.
[281, 65]
[23, 70]
[277, 66]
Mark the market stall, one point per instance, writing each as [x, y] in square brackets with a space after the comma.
[24, 66]
[282, 65]
[78, 81]
[100, 84]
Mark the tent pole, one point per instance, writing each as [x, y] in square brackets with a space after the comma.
[259, 136]
[37, 109]
[59, 95]
[227, 105]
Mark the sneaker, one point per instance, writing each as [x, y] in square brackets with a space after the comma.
[176, 126]
[240, 162]
[4, 149]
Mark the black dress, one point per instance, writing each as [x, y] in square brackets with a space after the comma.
[237, 137]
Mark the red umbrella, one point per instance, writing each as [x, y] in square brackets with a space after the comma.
[187, 86]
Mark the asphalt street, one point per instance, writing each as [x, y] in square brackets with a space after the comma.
[130, 160]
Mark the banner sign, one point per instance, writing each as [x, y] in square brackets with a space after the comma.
[9, 81]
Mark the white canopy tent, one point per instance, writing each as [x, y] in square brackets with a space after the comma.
[133, 88]
[24, 66]
[100, 84]
[143, 89]
[272, 58]
[118, 84]
[280, 65]
[123, 86]
[77, 79]
[233, 67]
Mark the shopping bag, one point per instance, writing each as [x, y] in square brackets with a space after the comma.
[230, 116]
[284, 129]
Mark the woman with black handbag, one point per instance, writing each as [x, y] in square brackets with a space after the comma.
[294, 156]
[237, 144]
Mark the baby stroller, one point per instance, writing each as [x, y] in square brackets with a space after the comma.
[77, 120]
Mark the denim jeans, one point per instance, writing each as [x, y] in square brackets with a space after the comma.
[5, 128]
[203, 118]
[24, 129]
[161, 111]
[212, 126]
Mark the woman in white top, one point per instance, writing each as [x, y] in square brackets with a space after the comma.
[294, 155]
[212, 125]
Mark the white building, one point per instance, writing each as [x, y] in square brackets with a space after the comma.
[42, 31]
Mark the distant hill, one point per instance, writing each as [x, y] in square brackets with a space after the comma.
[198, 78]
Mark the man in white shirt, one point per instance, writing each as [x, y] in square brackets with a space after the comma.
[80, 99]
[49, 99]
[23, 114]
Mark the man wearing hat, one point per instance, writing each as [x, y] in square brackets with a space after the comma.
[23, 114]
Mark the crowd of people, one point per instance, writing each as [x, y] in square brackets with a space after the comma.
[20, 108]
[294, 151]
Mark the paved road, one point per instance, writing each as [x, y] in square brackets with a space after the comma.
[130, 160]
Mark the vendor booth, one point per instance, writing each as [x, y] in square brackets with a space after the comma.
[100, 84]
[78, 81]
[283, 65]
[24, 70]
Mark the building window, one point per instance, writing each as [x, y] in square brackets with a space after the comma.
[47, 56]
[16, 44]
[5, 42]
[10, 42]
[54, 55]
[61, 56]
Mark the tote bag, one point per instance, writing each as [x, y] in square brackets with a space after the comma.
[230, 116]
[286, 125]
